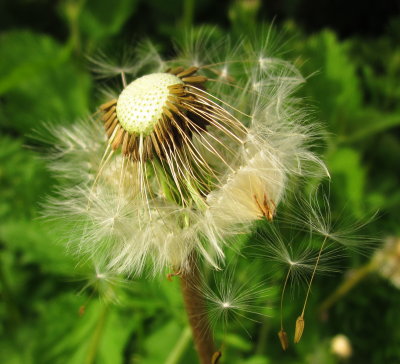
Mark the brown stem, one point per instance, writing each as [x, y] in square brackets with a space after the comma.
[196, 310]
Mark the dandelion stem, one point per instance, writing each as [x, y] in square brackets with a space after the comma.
[347, 285]
[191, 284]
[188, 11]
[180, 347]
[312, 276]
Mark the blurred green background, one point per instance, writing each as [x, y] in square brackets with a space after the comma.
[351, 49]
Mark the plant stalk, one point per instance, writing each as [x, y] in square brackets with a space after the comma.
[97, 335]
[191, 284]
[180, 347]
[347, 285]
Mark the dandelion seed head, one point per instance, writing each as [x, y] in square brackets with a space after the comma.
[184, 158]
[140, 105]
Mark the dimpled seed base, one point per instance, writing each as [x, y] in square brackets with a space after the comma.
[140, 105]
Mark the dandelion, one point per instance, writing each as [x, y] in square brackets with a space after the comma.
[181, 164]
[190, 153]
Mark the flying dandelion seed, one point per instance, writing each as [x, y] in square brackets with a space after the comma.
[314, 214]
[102, 283]
[296, 254]
[318, 220]
[231, 300]
[299, 260]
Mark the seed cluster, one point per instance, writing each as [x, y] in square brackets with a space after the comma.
[140, 105]
[157, 113]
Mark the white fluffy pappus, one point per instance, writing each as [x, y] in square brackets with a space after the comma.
[230, 300]
[230, 138]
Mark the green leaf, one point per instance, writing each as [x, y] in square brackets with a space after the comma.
[159, 344]
[39, 82]
[335, 86]
[38, 245]
[256, 360]
[23, 180]
[349, 176]
[73, 335]
[368, 123]
[100, 19]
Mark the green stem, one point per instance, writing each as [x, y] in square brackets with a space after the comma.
[180, 347]
[188, 12]
[73, 10]
[96, 338]
[385, 122]
[263, 337]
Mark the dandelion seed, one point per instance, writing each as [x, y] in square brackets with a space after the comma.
[228, 300]
[283, 338]
[298, 333]
[295, 255]
[321, 224]
[102, 283]
[314, 213]
[299, 259]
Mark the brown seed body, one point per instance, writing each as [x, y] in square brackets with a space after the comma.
[283, 338]
[299, 329]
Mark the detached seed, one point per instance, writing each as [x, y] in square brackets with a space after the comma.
[299, 329]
